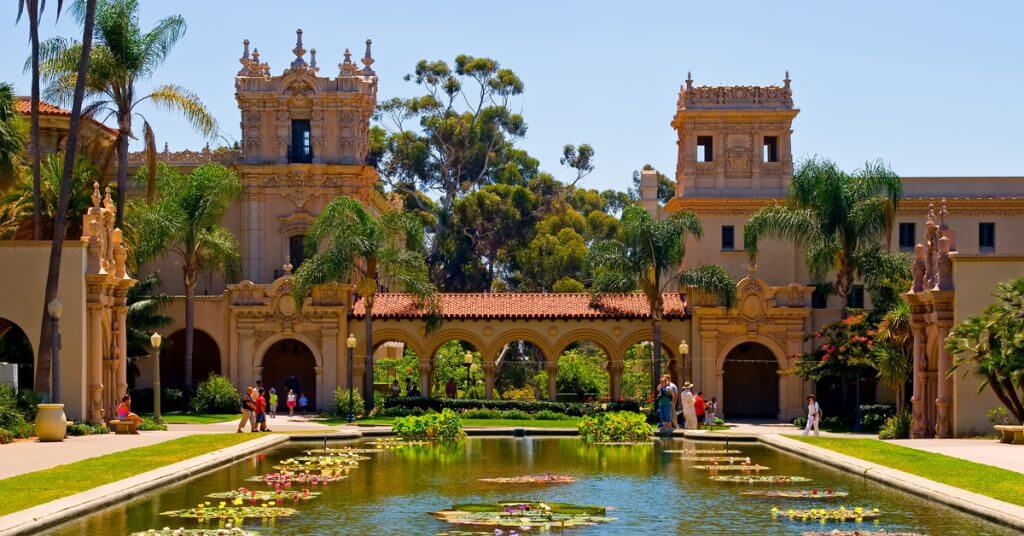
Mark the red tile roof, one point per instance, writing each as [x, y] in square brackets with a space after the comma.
[523, 305]
[23, 105]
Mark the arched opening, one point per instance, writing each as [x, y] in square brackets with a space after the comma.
[636, 370]
[520, 373]
[16, 349]
[290, 365]
[750, 377]
[395, 365]
[583, 373]
[449, 375]
[205, 359]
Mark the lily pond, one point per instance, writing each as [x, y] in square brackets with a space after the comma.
[428, 489]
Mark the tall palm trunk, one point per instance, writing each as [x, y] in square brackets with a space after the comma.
[844, 283]
[368, 371]
[42, 380]
[37, 196]
[191, 275]
[125, 127]
[655, 355]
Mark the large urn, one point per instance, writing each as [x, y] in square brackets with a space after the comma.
[51, 424]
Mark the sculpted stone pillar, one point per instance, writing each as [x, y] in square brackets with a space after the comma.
[94, 354]
[426, 369]
[919, 424]
[551, 367]
[358, 369]
[944, 398]
[329, 349]
[490, 374]
[615, 378]
[120, 366]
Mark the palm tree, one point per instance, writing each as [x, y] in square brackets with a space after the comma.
[643, 252]
[17, 209]
[839, 218]
[185, 219]
[12, 139]
[86, 12]
[125, 56]
[383, 251]
[892, 350]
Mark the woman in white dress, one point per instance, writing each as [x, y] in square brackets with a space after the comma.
[813, 415]
[689, 412]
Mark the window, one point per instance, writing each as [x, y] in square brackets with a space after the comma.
[819, 299]
[705, 149]
[907, 234]
[301, 149]
[728, 238]
[771, 149]
[986, 236]
[856, 298]
[297, 250]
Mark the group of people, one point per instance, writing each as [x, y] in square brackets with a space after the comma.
[257, 403]
[697, 411]
[411, 388]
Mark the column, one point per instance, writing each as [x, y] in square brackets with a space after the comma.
[944, 400]
[615, 378]
[94, 362]
[245, 358]
[551, 367]
[490, 374]
[426, 368]
[329, 349]
[251, 239]
[358, 369]
[120, 313]
[919, 424]
[322, 400]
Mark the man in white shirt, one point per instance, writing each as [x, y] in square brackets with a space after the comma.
[813, 415]
[675, 401]
[689, 411]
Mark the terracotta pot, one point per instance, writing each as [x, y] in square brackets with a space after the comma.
[51, 425]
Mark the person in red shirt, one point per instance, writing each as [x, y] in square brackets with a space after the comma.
[698, 408]
[261, 412]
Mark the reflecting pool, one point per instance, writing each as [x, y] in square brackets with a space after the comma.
[649, 490]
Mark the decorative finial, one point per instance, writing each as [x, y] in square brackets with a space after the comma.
[689, 80]
[287, 264]
[942, 214]
[167, 147]
[108, 202]
[346, 67]
[298, 50]
[96, 195]
[244, 60]
[348, 56]
[930, 220]
[368, 57]
[312, 59]
[787, 76]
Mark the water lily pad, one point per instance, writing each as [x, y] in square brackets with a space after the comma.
[838, 532]
[717, 459]
[342, 451]
[696, 452]
[531, 479]
[286, 478]
[760, 479]
[250, 495]
[207, 512]
[524, 515]
[394, 442]
[796, 494]
[733, 467]
[841, 514]
[167, 531]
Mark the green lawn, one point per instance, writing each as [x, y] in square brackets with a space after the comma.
[983, 479]
[196, 418]
[31, 489]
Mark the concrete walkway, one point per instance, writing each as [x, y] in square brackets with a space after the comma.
[985, 451]
[282, 423]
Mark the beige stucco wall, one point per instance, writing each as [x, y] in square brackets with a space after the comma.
[974, 278]
[23, 268]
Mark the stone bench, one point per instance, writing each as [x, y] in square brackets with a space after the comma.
[1011, 434]
[123, 427]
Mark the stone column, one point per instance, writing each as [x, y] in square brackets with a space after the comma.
[490, 374]
[94, 356]
[426, 369]
[551, 367]
[944, 399]
[615, 378]
[329, 349]
[358, 369]
[322, 400]
[919, 424]
[246, 359]
[120, 314]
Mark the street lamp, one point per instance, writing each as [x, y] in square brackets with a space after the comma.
[54, 309]
[351, 344]
[683, 350]
[154, 341]
[467, 360]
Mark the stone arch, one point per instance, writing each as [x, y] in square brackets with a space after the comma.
[381, 336]
[604, 342]
[429, 364]
[172, 373]
[768, 342]
[669, 343]
[446, 335]
[17, 347]
[521, 334]
[309, 372]
[606, 346]
[750, 388]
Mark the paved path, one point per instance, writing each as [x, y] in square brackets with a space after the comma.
[282, 423]
[986, 451]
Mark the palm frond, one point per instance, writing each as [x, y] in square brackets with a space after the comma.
[179, 99]
[711, 278]
[780, 222]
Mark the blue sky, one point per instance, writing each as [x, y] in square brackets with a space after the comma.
[935, 88]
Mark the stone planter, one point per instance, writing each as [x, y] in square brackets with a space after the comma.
[51, 425]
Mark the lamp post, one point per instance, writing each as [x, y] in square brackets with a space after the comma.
[467, 360]
[351, 344]
[54, 309]
[154, 341]
[683, 350]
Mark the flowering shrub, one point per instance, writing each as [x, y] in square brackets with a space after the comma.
[614, 428]
[842, 349]
[341, 403]
[446, 425]
[215, 394]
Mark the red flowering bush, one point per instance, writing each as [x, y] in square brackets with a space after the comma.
[842, 350]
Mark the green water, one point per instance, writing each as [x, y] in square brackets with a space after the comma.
[650, 491]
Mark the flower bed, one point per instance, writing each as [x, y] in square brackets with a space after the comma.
[796, 494]
[532, 479]
[572, 409]
[251, 495]
[524, 515]
[621, 427]
[841, 514]
[760, 479]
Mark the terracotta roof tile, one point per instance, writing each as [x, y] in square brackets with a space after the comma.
[23, 105]
[523, 305]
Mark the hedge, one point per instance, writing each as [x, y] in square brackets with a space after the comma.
[572, 409]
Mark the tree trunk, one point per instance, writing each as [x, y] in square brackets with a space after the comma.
[656, 355]
[37, 197]
[368, 360]
[122, 168]
[844, 282]
[190, 320]
[42, 383]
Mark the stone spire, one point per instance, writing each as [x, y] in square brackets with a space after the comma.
[689, 80]
[346, 67]
[312, 60]
[299, 52]
[368, 58]
[245, 60]
[786, 80]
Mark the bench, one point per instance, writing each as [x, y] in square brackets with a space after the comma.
[1011, 434]
[123, 427]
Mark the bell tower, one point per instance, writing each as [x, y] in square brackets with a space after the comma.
[734, 141]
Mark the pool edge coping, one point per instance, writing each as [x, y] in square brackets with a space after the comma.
[50, 514]
[988, 508]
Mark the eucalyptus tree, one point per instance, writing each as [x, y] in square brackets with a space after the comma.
[12, 139]
[646, 255]
[839, 219]
[125, 55]
[354, 246]
[185, 220]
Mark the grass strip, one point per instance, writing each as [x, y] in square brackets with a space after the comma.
[1001, 484]
[32, 489]
[196, 418]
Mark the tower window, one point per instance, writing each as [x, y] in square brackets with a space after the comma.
[301, 150]
[907, 234]
[705, 149]
[297, 250]
[987, 236]
[771, 149]
[728, 238]
[856, 298]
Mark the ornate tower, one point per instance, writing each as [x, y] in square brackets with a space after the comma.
[305, 141]
[734, 141]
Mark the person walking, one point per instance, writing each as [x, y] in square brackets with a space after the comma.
[813, 415]
[665, 401]
[248, 411]
[699, 408]
[261, 411]
[689, 412]
[303, 403]
[675, 400]
[709, 413]
[408, 386]
[273, 403]
[291, 401]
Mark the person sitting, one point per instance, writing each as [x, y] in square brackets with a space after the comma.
[396, 390]
[415, 390]
[124, 411]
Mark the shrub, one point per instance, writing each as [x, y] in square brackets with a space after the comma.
[443, 426]
[5, 437]
[396, 411]
[615, 427]
[27, 402]
[572, 409]
[341, 403]
[216, 394]
[800, 422]
[481, 413]
[874, 416]
[516, 414]
[11, 417]
[525, 394]
[84, 428]
[548, 415]
[1000, 415]
[150, 425]
[896, 426]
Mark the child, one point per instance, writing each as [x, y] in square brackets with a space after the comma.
[273, 402]
[303, 402]
[291, 403]
[709, 413]
[261, 411]
[124, 411]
